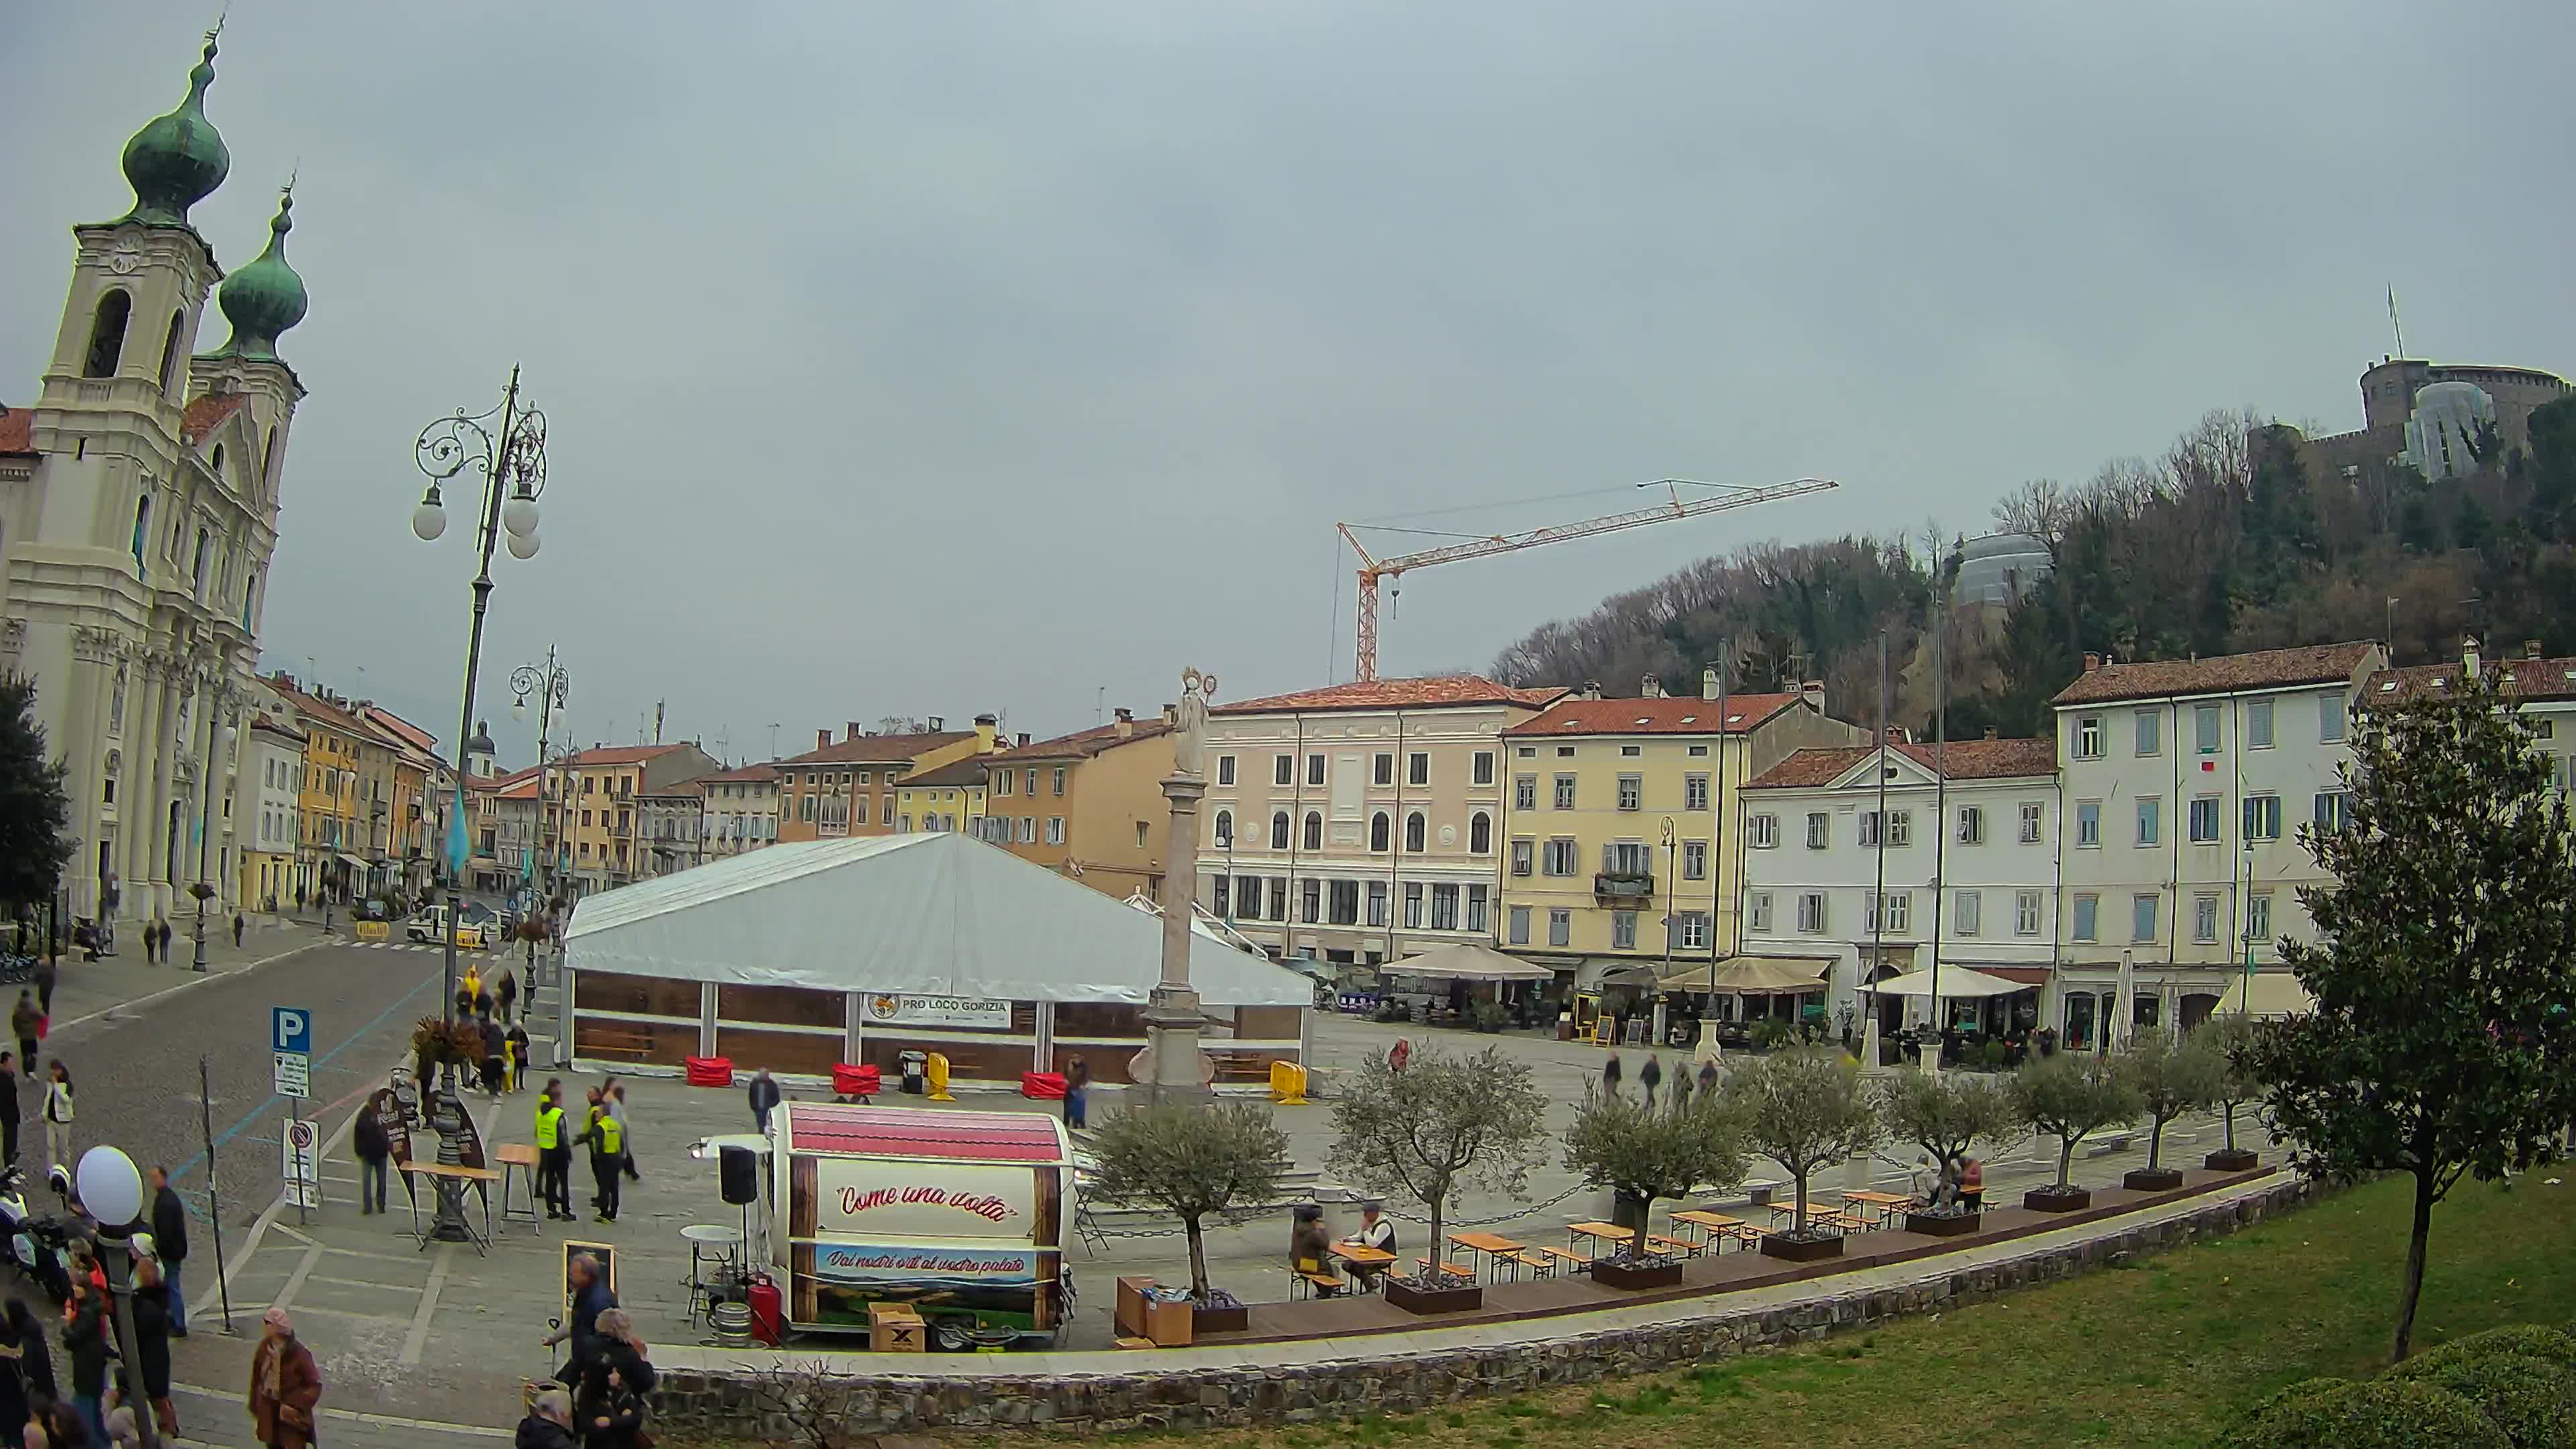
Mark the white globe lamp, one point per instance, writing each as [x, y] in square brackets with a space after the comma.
[109, 1186]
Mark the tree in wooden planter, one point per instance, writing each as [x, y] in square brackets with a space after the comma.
[1646, 1152]
[1439, 1123]
[1805, 1110]
[2070, 1096]
[2443, 965]
[2171, 1075]
[2231, 1038]
[1192, 1162]
[1945, 1114]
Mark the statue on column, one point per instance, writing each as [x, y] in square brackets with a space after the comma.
[1189, 737]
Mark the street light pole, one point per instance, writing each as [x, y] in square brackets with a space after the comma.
[513, 463]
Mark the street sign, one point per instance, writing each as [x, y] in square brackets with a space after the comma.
[304, 1194]
[290, 1039]
[303, 1151]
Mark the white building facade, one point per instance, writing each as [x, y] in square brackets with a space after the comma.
[1962, 866]
[273, 776]
[740, 811]
[138, 511]
[1290, 845]
[2184, 785]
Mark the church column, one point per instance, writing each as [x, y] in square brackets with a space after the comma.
[85, 722]
[135, 794]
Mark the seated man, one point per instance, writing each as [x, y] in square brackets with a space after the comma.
[1307, 1242]
[1374, 1232]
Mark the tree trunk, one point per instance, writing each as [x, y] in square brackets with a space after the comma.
[2065, 1162]
[2411, 1288]
[2227, 1113]
[1198, 1259]
[1433, 1247]
[2156, 1145]
[1798, 1223]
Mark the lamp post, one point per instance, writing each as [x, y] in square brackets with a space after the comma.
[513, 465]
[224, 734]
[113, 1192]
[552, 687]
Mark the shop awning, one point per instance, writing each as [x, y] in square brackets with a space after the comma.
[1956, 982]
[352, 862]
[2266, 993]
[1737, 975]
[929, 914]
[1468, 961]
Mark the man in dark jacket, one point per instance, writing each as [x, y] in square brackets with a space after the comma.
[156, 1317]
[549, 1423]
[764, 1097]
[8, 1108]
[591, 1297]
[170, 1244]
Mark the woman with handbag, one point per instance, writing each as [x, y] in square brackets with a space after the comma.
[285, 1386]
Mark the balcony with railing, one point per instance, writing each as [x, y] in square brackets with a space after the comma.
[1623, 885]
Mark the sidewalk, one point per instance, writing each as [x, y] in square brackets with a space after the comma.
[88, 990]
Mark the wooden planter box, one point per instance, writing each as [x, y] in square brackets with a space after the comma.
[2152, 1179]
[1612, 1273]
[1415, 1299]
[2050, 1200]
[1237, 1319]
[1942, 1225]
[2226, 1160]
[1802, 1250]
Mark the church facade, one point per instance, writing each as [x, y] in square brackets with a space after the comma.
[138, 515]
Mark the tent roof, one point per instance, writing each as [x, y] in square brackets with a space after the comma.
[2267, 993]
[1739, 974]
[1956, 981]
[1468, 961]
[931, 914]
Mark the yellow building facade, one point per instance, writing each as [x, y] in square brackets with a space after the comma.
[1615, 817]
[330, 843]
[944, 797]
[1089, 805]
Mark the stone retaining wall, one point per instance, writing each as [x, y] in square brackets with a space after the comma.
[744, 1405]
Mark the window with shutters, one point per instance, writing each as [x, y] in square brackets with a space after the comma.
[1565, 792]
[1762, 831]
[2026, 913]
[1623, 930]
[1811, 912]
[1757, 910]
[1525, 792]
[1967, 913]
[1524, 852]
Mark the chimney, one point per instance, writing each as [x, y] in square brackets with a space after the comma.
[1813, 692]
[851, 730]
[1171, 714]
[1023, 738]
[986, 727]
[1592, 689]
[2530, 648]
[1650, 688]
[938, 723]
[1126, 722]
[2092, 662]
[823, 739]
[2469, 654]
[1708, 682]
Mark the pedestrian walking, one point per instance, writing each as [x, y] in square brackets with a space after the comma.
[26, 1020]
[155, 1317]
[610, 1412]
[554, 1153]
[8, 1109]
[606, 1138]
[506, 991]
[591, 1297]
[85, 1340]
[237, 930]
[15, 1401]
[374, 1150]
[1077, 1093]
[58, 1115]
[35, 1354]
[285, 1386]
[613, 1096]
[170, 1244]
[514, 1047]
[764, 1099]
[548, 1424]
[45, 986]
[491, 1031]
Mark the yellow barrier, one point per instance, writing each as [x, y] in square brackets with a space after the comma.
[935, 1073]
[374, 931]
[1288, 1084]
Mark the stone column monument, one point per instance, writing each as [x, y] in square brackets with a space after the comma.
[1178, 1073]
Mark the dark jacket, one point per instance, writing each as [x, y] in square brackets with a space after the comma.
[622, 1409]
[367, 1138]
[587, 1305]
[169, 1226]
[536, 1433]
[152, 1338]
[764, 1094]
[9, 1095]
[491, 1039]
[85, 1339]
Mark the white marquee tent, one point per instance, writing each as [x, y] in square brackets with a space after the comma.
[933, 914]
[1956, 982]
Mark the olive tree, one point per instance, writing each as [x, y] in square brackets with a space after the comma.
[2231, 1039]
[1805, 1110]
[1945, 1114]
[1437, 1124]
[2171, 1075]
[1645, 1152]
[1192, 1162]
[2071, 1096]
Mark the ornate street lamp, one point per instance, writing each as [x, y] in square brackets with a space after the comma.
[112, 1191]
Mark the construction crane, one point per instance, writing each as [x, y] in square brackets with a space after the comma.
[1374, 569]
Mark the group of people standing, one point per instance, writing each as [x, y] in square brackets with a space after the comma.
[597, 1398]
[491, 1007]
[106, 1388]
[602, 1128]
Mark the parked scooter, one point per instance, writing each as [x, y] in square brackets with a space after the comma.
[36, 1246]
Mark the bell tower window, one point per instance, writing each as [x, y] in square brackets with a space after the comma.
[142, 528]
[170, 351]
[107, 334]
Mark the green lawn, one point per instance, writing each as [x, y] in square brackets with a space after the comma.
[2157, 1353]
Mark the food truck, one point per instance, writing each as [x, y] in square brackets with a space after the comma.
[959, 1215]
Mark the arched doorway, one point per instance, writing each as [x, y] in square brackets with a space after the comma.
[2197, 1007]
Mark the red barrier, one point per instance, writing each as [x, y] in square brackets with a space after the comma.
[1042, 1086]
[855, 1081]
[710, 1071]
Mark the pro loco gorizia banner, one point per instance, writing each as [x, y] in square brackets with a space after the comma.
[983, 1012]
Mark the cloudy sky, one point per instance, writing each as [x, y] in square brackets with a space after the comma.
[930, 359]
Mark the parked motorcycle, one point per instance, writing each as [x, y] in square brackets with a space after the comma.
[36, 1246]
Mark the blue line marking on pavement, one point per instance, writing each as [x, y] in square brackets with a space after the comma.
[229, 1133]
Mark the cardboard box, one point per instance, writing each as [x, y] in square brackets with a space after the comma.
[896, 1328]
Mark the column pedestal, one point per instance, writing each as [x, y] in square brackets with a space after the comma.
[1175, 1073]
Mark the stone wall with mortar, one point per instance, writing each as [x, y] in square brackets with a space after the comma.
[737, 1405]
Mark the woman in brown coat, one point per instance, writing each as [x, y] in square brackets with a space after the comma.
[284, 1385]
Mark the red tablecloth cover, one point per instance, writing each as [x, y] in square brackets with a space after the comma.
[855, 1081]
[710, 1071]
[1043, 1086]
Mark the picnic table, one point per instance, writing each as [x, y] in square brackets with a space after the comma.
[1592, 1235]
[1500, 1249]
[1888, 1204]
[1367, 1265]
[1713, 1227]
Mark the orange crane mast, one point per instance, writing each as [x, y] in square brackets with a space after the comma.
[1374, 569]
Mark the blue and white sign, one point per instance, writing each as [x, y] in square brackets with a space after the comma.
[290, 1029]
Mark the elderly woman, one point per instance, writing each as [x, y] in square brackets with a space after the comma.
[285, 1386]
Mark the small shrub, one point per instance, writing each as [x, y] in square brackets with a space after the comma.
[1771, 1034]
[1994, 1056]
[1492, 1016]
[2383, 1413]
[2527, 1340]
[2528, 1398]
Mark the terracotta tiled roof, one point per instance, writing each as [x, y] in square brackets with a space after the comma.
[523, 788]
[2530, 679]
[696, 787]
[1083, 744]
[1962, 760]
[1431, 693]
[208, 413]
[276, 726]
[2263, 669]
[319, 708]
[400, 728]
[877, 749]
[1667, 716]
[968, 771]
[18, 431]
[748, 774]
[620, 754]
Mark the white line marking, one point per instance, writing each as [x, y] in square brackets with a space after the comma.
[417, 1340]
[295, 1280]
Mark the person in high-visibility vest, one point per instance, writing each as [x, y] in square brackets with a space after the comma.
[607, 1138]
[554, 1154]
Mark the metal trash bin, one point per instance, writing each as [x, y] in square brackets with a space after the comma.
[916, 1066]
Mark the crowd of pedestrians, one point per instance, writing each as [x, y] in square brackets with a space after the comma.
[597, 1399]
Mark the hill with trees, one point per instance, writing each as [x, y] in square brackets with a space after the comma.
[2225, 542]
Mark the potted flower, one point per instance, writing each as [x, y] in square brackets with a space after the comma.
[2229, 1038]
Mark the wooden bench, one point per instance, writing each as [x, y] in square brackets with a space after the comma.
[1540, 1261]
[591, 1041]
[1319, 1285]
[1125, 1342]
[1677, 1247]
[1841, 1222]
[1448, 1270]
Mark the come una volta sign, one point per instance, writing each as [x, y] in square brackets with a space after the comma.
[888, 1010]
[924, 1199]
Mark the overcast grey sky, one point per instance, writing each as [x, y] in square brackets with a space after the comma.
[927, 359]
